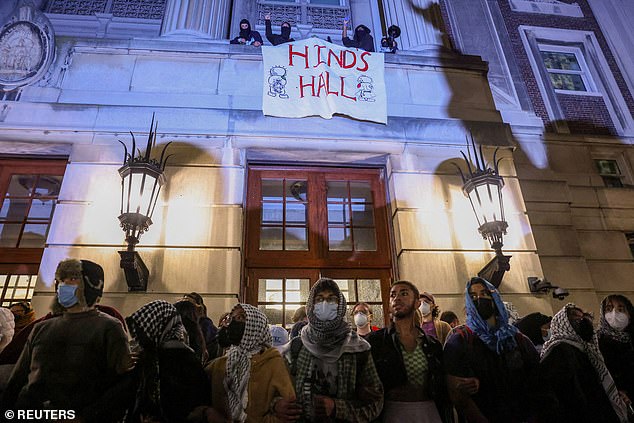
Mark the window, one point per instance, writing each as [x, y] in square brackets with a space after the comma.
[566, 68]
[610, 173]
[29, 190]
[306, 223]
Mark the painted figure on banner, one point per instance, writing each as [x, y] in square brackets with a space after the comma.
[277, 82]
[365, 89]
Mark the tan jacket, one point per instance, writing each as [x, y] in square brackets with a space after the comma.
[269, 379]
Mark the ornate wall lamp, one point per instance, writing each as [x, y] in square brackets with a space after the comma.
[141, 180]
[483, 187]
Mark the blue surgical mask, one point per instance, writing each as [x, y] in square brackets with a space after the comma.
[67, 295]
[326, 311]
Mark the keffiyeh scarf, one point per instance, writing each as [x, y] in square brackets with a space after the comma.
[238, 370]
[500, 338]
[562, 332]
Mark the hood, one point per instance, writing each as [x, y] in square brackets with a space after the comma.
[361, 31]
[245, 33]
[286, 31]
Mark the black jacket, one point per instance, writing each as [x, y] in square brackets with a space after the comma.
[390, 366]
[277, 39]
[619, 359]
[362, 39]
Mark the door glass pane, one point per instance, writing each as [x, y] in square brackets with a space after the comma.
[272, 213]
[296, 190]
[296, 213]
[339, 239]
[273, 313]
[369, 290]
[297, 290]
[377, 315]
[21, 185]
[14, 209]
[337, 191]
[364, 239]
[266, 286]
[360, 192]
[338, 213]
[41, 209]
[271, 239]
[9, 235]
[288, 314]
[34, 236]
[347, 289]
[362, 215]
[48, 186]
[272, 189]
[296, 239]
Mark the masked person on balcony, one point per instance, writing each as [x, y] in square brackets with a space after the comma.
[575, 384]
[334, 374]
[409, 363]
[277, 39]
[70, 362]
[251, 383]
[361, 39]
[247, 36]
[431, 324]
[616, 341]
[491, 367]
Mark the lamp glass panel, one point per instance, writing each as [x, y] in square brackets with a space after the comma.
[486, 202]
[141, 195]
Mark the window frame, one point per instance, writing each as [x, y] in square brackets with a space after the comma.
[584, 72]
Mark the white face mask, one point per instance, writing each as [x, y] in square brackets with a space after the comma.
[425, 308]
[617, 320]
[325, 311]
[360, 320]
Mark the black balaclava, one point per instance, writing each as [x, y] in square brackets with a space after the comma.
[286, 30]
[245, 33]
[360, 32]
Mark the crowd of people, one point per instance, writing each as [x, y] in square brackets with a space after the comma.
[169, 362]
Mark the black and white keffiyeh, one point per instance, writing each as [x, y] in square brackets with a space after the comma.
[563, 332]
[622, 336]
[238, 370]
[157, 322]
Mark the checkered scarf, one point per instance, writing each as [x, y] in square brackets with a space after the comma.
[157, 322]
[563, 332]
[327, 334]
[256, 337]
[622, 336]
[499, 339]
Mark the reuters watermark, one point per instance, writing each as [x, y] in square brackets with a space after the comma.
[39, 414]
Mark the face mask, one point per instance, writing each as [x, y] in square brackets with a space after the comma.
[325, 311]
[360, 320]
[584, 329]
[617, 319]
[485, 307]
[425, 308]
[232, 334]
[66, 295]
[547, 337]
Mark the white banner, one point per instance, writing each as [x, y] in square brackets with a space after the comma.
[314, 77]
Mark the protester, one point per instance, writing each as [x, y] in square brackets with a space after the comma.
[362, 316]
[70, 362]
[536, 327]
[251, 383]
[247, 36]
[409, 364]
[279, 335]
[7, 327]
[491, 366]
[299, 321]
[195, 339]
[277, 39]
[24, 315]
[209, 330]
[430, 323]
[616, 341]
[171, 385]
[451, 318]
[334, 374]
[576, 384]
[388, 43]
[361, 39]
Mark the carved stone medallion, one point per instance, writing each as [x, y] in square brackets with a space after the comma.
[27, 48]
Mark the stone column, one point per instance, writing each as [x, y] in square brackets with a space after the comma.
[420, 22]
[197, 18]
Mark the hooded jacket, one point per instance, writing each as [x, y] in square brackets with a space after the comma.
[248, 34]
[362, 39]
[269, 379]
[277, 39]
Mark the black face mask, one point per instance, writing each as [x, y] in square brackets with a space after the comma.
[485, 307]
[232, 334]
[584, 329]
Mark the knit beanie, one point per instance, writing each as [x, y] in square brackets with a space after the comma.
[90, 273]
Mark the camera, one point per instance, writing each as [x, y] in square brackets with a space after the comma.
[388, 43]
[560, 293]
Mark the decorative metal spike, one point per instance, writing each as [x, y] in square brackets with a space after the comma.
[125, 152]
[468, 163]
[163, 154]
[165, 162]
[461, 173]
[133, 146]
